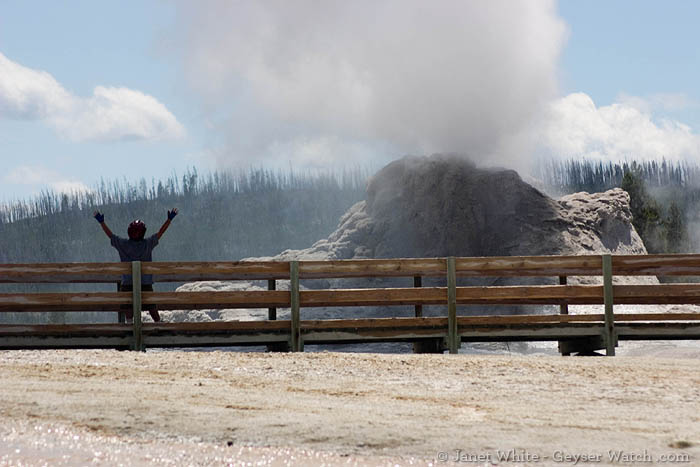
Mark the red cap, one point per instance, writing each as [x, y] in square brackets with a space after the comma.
[137, 230]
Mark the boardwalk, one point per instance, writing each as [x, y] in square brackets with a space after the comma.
[574, 332]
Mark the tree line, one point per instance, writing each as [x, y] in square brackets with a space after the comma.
[223, 215]
[574, 175]
[664, 196]
[259, 212]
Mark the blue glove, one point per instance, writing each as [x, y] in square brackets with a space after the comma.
[99, 216]
[172, 214]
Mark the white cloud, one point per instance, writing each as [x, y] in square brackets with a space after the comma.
[118, 113]
[110, 114]
[423, 77]
[40, 176]
[576, 128]
[29, 94]
[29, 175]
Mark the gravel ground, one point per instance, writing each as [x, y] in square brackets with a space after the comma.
[104, 407]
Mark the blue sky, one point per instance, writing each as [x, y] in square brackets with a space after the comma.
[84, 44]
[639, 48]
[137, 89]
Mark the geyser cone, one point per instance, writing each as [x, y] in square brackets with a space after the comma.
[446, 206]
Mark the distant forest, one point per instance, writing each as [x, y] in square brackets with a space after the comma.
[233, 215]
[223, 216]
[571, 176]
[664, 196]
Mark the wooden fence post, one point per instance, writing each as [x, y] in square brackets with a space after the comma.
[453, 340]
[608, 300]
[297, 345]
[272, 312]
[136, 304]
[425, 346]
[121, 316]
[272, 316]
[418, 347]
[418, 282]
[563, 310]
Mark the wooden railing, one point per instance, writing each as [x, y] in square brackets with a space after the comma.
[575, 332]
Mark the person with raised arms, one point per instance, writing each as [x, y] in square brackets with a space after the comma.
[136, 248]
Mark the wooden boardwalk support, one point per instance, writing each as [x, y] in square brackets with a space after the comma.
[574, 332]
[453, 340]
[272, 311]
[610, 340]
[136, 299]
[564, 310]
[425, 345]
[296, 343]
[272, 316]
[242, 333]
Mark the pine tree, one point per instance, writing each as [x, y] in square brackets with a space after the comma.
[646, 216]
[674, 227]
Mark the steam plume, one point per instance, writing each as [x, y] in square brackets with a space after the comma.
[338, 79]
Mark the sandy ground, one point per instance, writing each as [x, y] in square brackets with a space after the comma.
[100, 407]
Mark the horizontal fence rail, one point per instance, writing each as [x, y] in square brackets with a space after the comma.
[583, 332]
[675, 294]
[507, 266]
